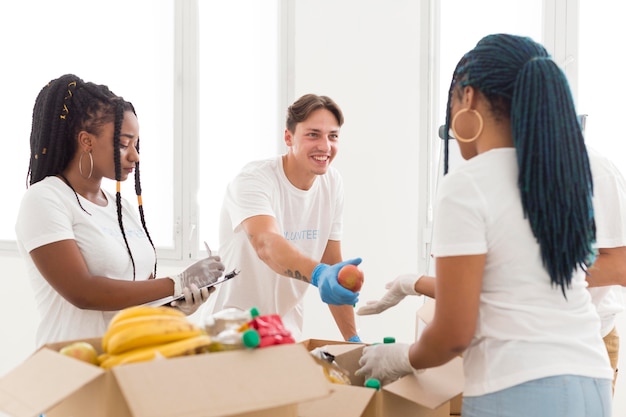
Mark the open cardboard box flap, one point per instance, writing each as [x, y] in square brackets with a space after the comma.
[433, 387]
[42, 381]
[344, 401]
[222, 384]
[260, 382]
[412, 395]
[426, 314]
[427, 311]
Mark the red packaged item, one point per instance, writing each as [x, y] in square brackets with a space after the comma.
[271, 330]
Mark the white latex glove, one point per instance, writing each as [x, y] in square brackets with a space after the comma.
[203, 272]
[399, 288]
[385, 362]
[194, 298]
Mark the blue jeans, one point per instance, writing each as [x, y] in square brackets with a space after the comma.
[557, 396]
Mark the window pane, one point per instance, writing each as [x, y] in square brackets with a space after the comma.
[127, 45]
[601, 90]
[464, 23]
[239, 95]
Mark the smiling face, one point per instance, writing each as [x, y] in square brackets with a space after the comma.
[312, 147]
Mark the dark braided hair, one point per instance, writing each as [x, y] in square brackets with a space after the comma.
[522, 83]
[63, 108]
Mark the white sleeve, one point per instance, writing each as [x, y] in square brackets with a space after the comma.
[248, 195]
[43, 218]
[459, 226]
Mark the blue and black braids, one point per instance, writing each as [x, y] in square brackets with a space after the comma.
[522, 83]
[63, 108]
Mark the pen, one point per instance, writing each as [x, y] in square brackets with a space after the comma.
[208, 249]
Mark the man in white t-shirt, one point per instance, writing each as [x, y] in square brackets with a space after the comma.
[281, 224]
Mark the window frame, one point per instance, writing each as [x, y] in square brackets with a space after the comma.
[559, 36]
[185, 112]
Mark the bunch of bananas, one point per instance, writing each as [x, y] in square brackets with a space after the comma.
[143, 333]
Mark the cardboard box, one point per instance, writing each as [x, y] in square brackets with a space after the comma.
[266, 382]
[425, 395]
[455, 405]
[426, 314]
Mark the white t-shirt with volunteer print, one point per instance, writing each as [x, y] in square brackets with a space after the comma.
[50, 212]
[526, 328]
[308, 219]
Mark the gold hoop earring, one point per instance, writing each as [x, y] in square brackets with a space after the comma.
[80, 165]
[480, 125]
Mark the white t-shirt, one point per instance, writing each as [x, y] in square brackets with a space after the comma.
[609, 204]
[308, 219]
[526, 329]
[49, 213]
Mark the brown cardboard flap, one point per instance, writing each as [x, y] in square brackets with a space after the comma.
[98, 398]
[34, 386]
[347, 357]
[433, 387]
[393, 406]
[344, 401]
[427, 311]
[222, 383]
[311, 344]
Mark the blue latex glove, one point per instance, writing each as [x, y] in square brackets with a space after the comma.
[324, 277]
[355, 339]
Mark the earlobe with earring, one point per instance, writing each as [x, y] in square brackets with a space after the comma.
[455, 119]
[80, 165]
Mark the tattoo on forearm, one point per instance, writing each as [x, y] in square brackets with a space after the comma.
[296, 275]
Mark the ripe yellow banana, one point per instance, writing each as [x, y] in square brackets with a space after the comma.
[135, 321]
[151, 332]
[143, 310]
[103, 357]
[188, 346]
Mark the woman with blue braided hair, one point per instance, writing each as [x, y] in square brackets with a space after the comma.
[513, 237]
[87, 253]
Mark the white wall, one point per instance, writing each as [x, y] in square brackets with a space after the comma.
[366, 56]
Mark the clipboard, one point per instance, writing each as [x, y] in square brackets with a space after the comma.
[166, 301]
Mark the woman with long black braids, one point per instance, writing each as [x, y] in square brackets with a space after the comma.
[513, 237]
[87, 253]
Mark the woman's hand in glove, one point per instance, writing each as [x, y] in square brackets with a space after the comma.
[399, 288]
[203, 272]
[194, 298]
[386, 362]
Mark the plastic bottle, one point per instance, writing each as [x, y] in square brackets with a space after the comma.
[229, 318]
[232, 339]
